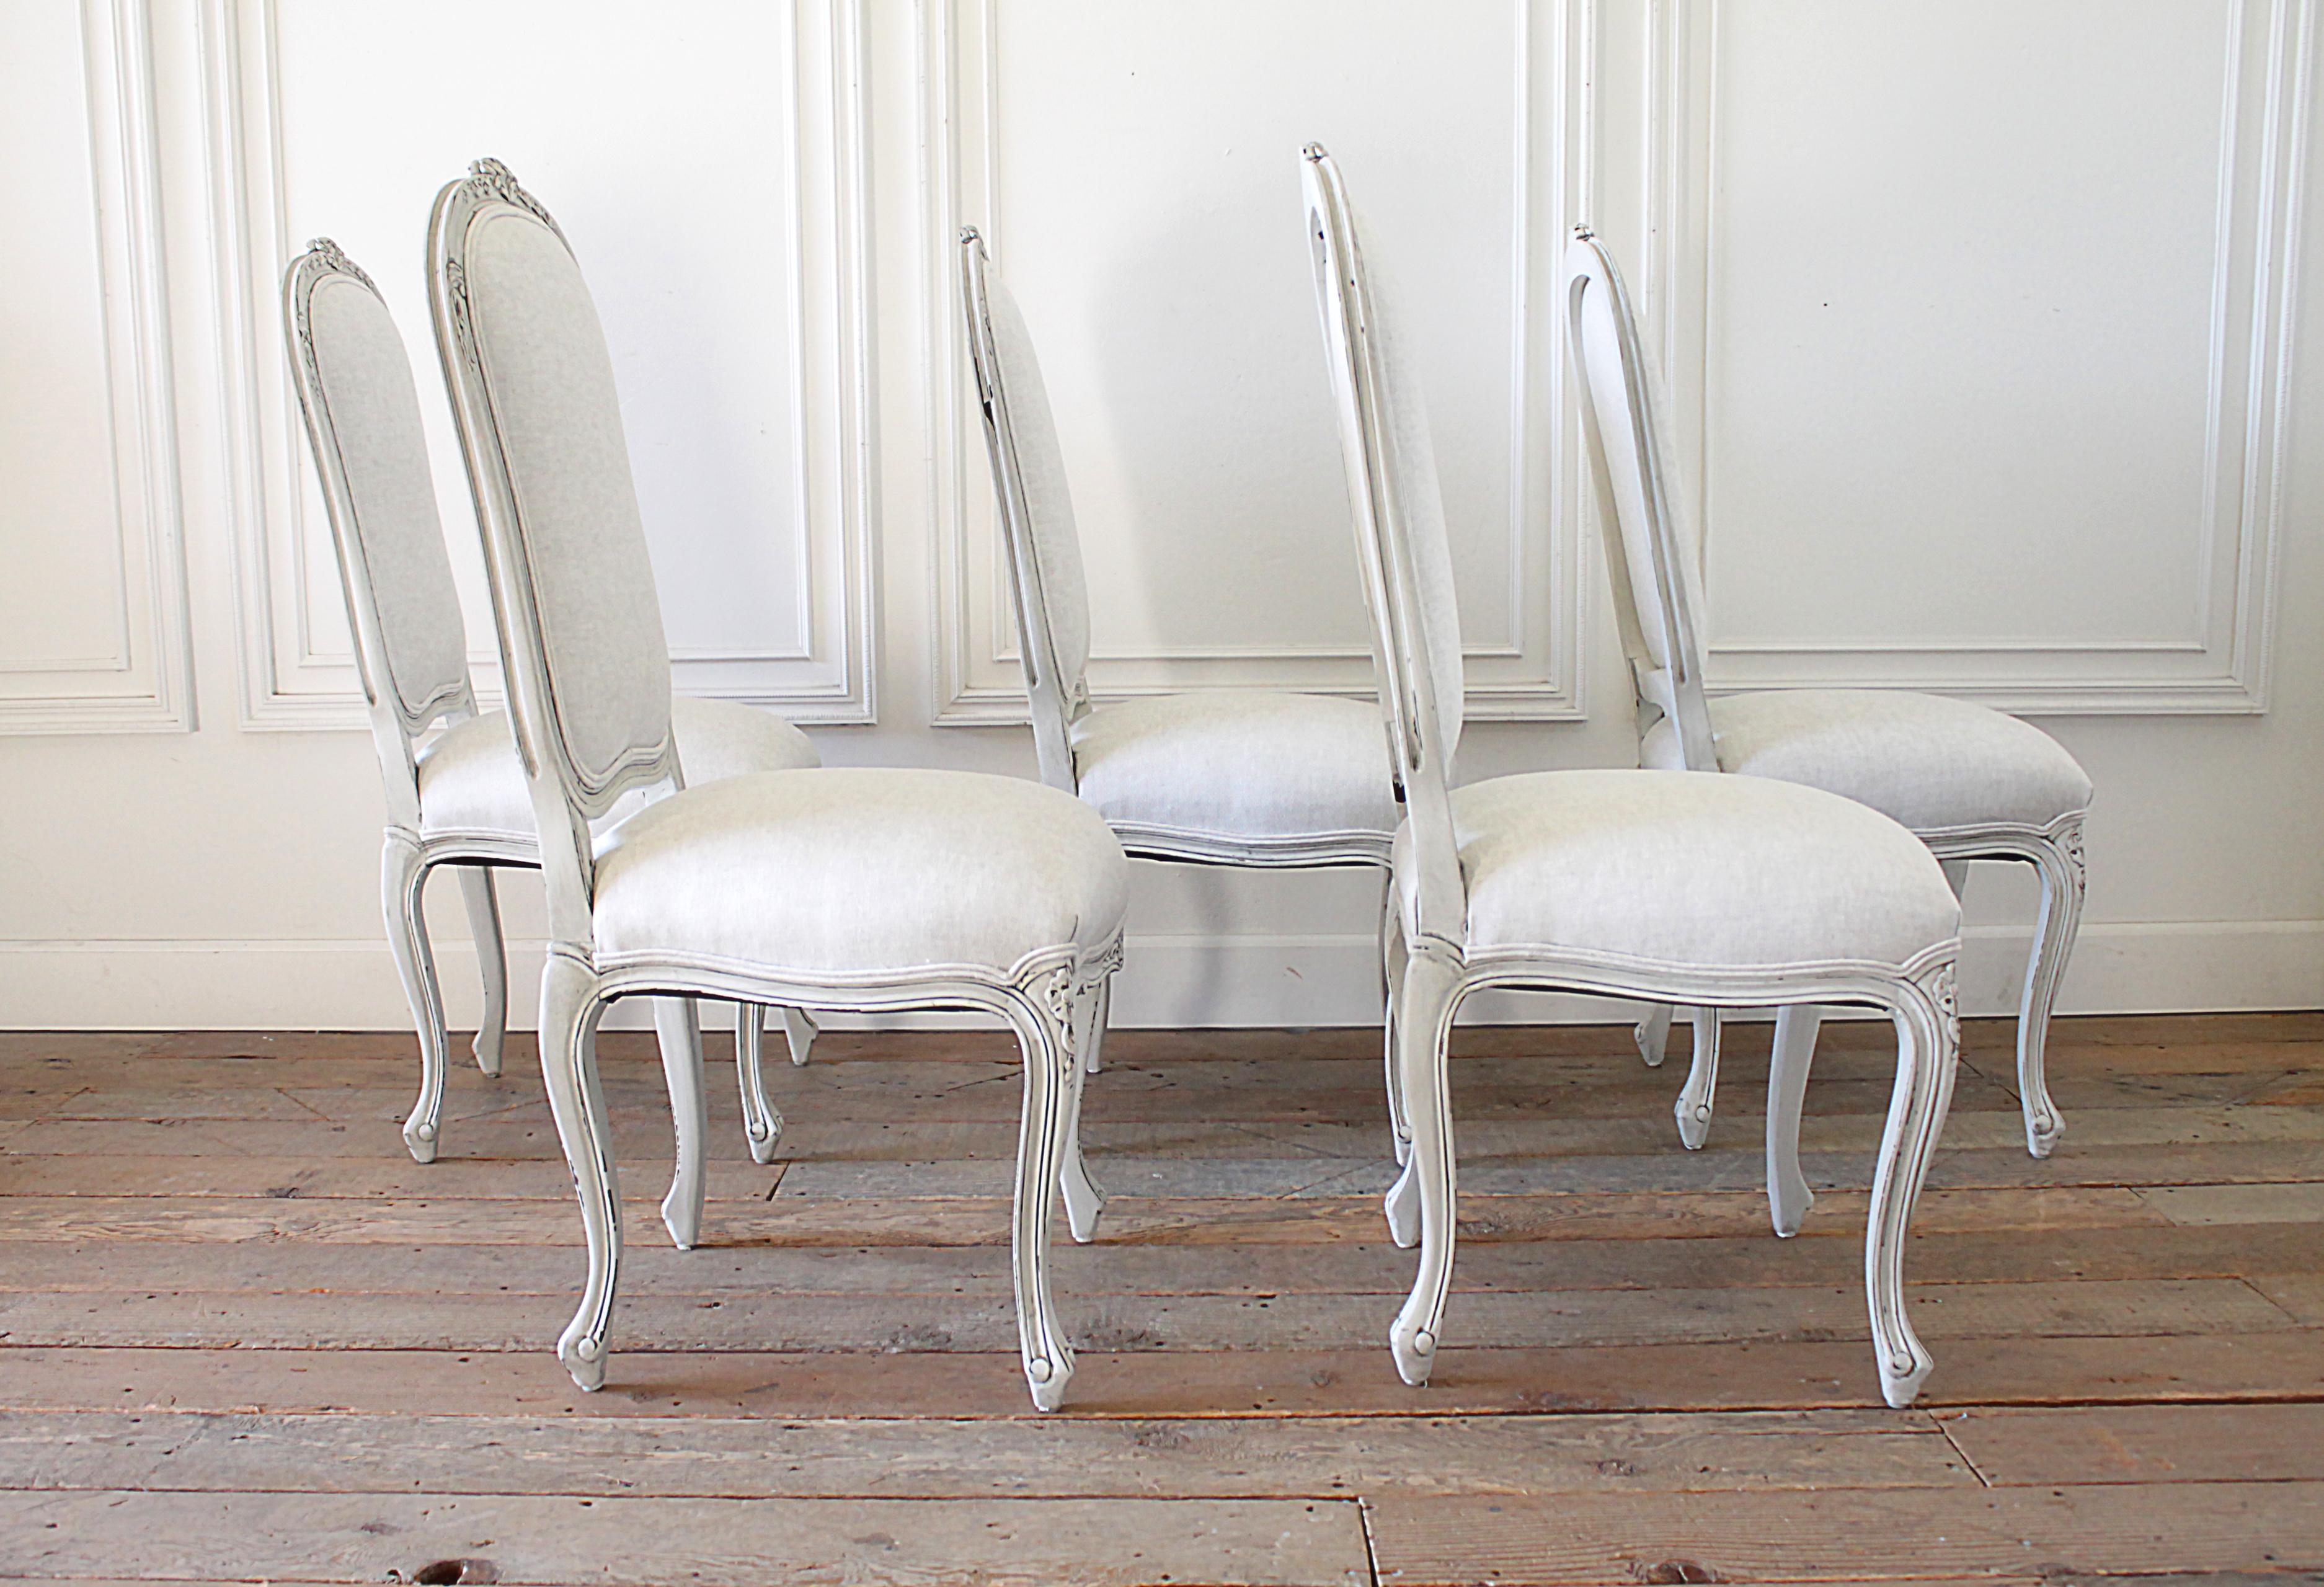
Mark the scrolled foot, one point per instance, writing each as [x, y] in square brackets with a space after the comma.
[420, 1137]
[1902, 1388]
[1083, 1200]
[487, 1049]
[1786, 1213]
[584, 1357]
[1653, 1036]
[1046, 1377]
[763, 1140]
[1402, 1206]
[1415, 1349]
[2044, 1128]
[799, 1031]
[1693, 1115]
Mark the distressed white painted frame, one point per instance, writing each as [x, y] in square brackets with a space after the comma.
[292, 675]
[1538, 679]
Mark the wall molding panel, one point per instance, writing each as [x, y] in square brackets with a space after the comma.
[296, 667]
[1533, 674]
[2216, 658]
[137, 677]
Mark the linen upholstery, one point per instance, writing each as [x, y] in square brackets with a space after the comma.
[471, 780]
[1040, 460]
[1925, 760]
[374, 430]
[559, 423]
[855, 874]
[1238, 764]
[1692, 868]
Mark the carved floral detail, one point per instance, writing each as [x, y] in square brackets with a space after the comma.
[489, 178]
[330, 254]
[1944, 987]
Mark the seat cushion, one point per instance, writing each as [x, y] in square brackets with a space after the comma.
[1693, 869]
[858, 873]
[1925, 760]
[471, 782]
[1242, 766]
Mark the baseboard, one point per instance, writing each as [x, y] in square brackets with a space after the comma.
[2174, 967]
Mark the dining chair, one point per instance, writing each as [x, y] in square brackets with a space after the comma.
[1684, 886]
[454, 798]
[858, 890]
[1254, 778]
[1972, 782]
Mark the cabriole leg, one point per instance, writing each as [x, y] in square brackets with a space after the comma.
[1652, 1035]
[1045, 1021]
[1788, 1196]
[2062, 878]
[1083, 1200]
[1928, 1036]
[492, 963]
[1696, 1097]
[1432, 982]
[1392, 980]
[570, 1012]
[402, 884]
[761, 1122]
[799, 1031]
[678, 1023]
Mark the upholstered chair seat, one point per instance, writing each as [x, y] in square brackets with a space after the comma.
[1262, 768]
[1930, 762]
[472, 784]
[1677, 868]
[831, 874]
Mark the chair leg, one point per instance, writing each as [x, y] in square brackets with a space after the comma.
[1928, 1040]
[1431, 982]
[1652, 1035]
[1045, 1031]
[799, 1031]
[1695, 1099]
[483, 904]
[678, 1023]
[403, 885]
[2062, 879]
[570, 1012]
[1788, 1196]
[1392, 983]
[1083, 1200]
[761, 1123]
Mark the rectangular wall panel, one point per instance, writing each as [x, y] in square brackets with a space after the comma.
[1139, 188]
[1977, 315]
[705, 165]
[93, 616]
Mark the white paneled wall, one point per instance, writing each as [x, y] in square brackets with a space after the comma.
[1990, 329]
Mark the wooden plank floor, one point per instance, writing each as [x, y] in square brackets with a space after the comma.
[243, 1337]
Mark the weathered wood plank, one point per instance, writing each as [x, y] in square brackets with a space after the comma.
[2198, 1204]
[1849, 1534]
[2142, 1444]
[1731, 1375]
[363, 1537]
[1052, 1457]
[895, 1324]
[1350, 1268]
[871, 1220]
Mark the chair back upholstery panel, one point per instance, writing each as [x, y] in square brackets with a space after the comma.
[362, 421]
[542, 424]
[1401, 543]
[1649, 551]
[1037, 508]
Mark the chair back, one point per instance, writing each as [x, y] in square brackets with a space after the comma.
[362, 411]
[1037, 510]
[1400, 541]
[540, 424]
[1651, 557]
